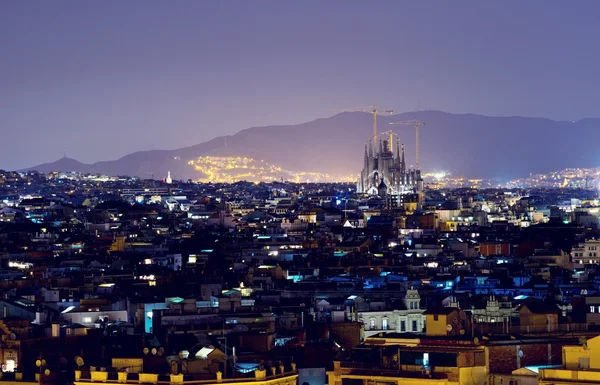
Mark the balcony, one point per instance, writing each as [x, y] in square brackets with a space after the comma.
[350, 368]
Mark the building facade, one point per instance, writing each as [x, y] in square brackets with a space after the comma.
[411, 319]
[581, 365]
[387, 174]
[586, 253]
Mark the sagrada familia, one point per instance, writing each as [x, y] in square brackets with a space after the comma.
[385, 173]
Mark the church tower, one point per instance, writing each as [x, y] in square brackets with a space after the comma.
[385, 171]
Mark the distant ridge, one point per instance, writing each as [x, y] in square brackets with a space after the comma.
[64, 164]
[466, 144]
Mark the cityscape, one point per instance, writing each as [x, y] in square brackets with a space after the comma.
[215, 218]
[231, 170]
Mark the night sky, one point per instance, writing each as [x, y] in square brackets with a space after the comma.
[100, 79]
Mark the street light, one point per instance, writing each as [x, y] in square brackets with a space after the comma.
[41, 363]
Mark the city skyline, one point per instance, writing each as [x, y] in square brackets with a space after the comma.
[309, 192]
[319, 145]
[101, 81]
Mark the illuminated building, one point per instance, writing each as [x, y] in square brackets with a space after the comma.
[386, 174]
[587, 253]
[581, 365]
[277, 376]
[461, 362]
[409, 319]
[446, 321]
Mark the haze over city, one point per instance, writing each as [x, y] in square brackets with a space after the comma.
[99, 80]
[299, 192]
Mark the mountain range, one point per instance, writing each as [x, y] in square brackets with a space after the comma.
[468, 145]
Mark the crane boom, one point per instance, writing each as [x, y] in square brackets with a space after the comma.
[391, 141]
[372, 110]
[416, 123]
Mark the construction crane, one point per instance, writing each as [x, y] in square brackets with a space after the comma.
[416, 123]
[372, 110]
[391, 143]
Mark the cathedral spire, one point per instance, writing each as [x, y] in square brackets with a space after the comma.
[403, 164]
[370, 149]
[397, 149]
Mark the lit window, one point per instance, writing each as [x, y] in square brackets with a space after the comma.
[9, 366]
[592, 309]
[372, 323]
[384, 324]
[86, 320]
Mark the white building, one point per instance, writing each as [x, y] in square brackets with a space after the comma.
[295, 225]
[495, 312]
[408, 320]
[586, 253]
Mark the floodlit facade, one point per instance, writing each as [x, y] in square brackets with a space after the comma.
[586, 253]
[461, 363]
[386, 174]
[408, 320]
[581, 365]
[278, 376]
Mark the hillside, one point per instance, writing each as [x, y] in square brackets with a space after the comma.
[466, 144]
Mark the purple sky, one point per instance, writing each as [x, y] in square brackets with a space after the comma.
[100, 79]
